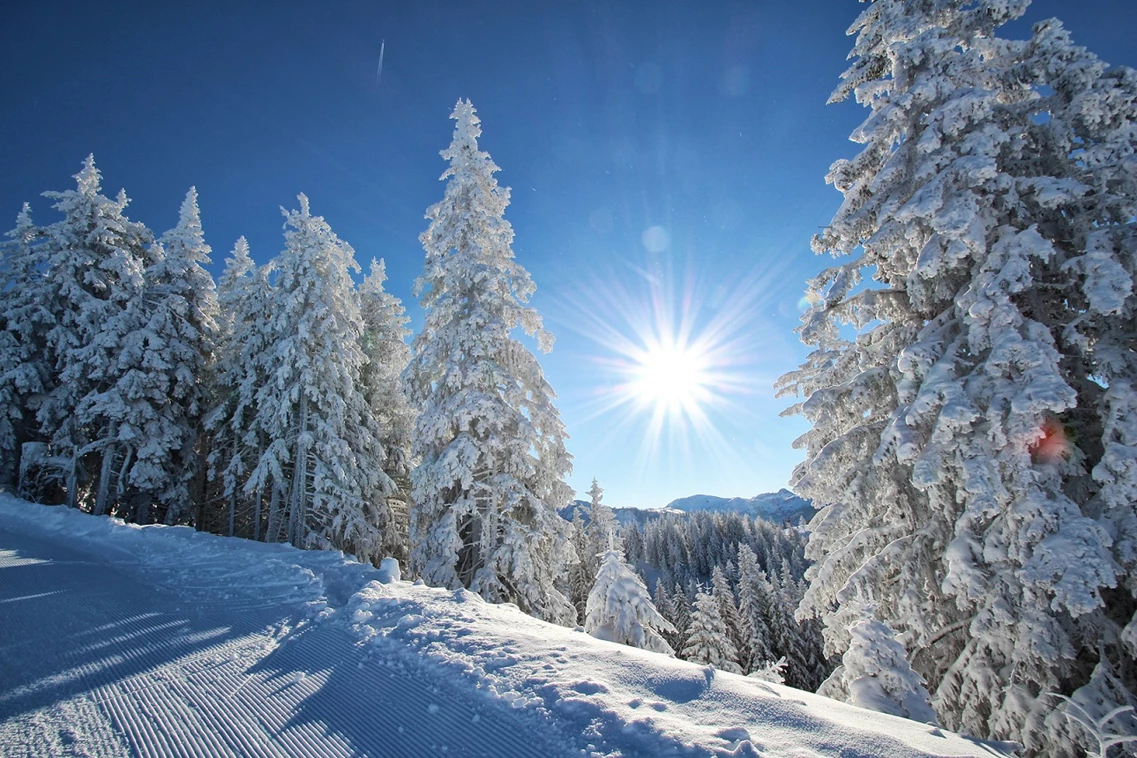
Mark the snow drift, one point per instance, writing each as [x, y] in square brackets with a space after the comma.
[449, 664]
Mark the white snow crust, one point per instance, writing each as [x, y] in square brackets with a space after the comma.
[156, 640]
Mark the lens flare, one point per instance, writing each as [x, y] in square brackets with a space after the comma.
[1053, 445]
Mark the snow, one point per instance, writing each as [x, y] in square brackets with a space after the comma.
[156, 640]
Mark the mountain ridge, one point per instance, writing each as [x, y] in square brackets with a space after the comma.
[781, 507]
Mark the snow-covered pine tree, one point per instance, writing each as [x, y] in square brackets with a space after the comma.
[661, 599]
[968, 447]
[593, 535]
[681, 616]
[25, 374]
[95, 269]
[620, 608]
[728, 610]
[754, 607]
[581, 576]
[489, 441]
[384, 343]
[241, 369]
[165, 361]
[230, 457]
[322, 460]
[707, 638]
[799, 641]
[875, 674]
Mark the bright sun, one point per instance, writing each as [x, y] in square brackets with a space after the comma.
[675, 360]
[672, 378]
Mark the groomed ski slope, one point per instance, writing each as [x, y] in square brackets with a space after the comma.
[162, 641]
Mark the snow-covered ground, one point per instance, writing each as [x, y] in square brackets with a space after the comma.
[119, 640]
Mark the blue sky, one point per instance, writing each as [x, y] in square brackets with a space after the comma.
[667, 162]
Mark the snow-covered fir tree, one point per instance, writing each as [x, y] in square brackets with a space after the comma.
[707, 638]
[680, 617]
[166, 359]
[621, 610]
[875, 674]
[384, 343]
[581, 575]
[665, 606]
[972, 445]
[728, 611]
[594, 532]
[25, 374]
[755, 606]
[95, 261]
[235, 441]
[322, 460]
[488, 439]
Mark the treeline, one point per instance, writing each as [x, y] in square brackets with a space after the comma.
[265, 406]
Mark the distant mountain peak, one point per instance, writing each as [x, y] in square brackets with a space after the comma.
[781, 507]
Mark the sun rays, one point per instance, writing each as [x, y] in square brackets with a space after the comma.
[673, 359]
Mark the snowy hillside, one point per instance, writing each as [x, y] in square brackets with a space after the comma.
[165, 641]
[780, 507]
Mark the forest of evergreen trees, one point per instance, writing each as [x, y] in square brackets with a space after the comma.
[753, 571]
[970, 395]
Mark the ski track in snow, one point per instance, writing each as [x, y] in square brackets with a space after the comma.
[119, 640]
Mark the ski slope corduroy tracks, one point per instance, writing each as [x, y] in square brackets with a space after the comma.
[118, 640]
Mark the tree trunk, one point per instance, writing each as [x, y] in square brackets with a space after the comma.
[105, 472]
[297, 499]
[273, 533]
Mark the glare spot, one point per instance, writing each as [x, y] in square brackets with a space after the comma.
[735, 81]
[649, 78]
[1053, 444]
[803, 304]
[656, 239]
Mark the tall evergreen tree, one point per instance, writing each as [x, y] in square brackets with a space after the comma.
[967, 446]
[681, 616]
[322, 459]
[237, 375]
[581, 576]
[384, 343]
[166, 358]
[95, 270]
[754, 607]
[728, 610]
[489, 441]
[25, 317]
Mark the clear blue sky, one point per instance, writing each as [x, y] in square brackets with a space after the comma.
[667, 162]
